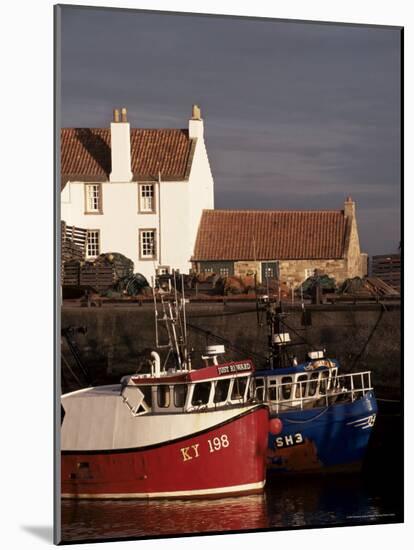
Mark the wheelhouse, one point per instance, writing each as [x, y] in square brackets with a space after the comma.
[228, 385]
[306, 386]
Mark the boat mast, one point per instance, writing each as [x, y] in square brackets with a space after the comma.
[278, 336]
[174, 316]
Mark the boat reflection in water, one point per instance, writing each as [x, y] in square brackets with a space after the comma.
[322, 501]
[310, 501]
[106, 519]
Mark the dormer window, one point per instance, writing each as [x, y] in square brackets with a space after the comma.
[93, 198]
[146, 198]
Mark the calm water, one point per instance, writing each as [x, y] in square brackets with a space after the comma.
[373, 496]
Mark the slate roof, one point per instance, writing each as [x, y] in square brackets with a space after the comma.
[86, 154]
[270, 235]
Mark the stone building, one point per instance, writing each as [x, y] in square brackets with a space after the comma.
[285, 245]
[137, 191]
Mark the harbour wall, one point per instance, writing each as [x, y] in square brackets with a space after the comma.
[119, 337]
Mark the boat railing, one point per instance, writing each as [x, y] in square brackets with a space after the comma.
[323, 392]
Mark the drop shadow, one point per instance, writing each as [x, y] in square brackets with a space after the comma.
[43, 532]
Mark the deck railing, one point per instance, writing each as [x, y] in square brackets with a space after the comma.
[327, 391]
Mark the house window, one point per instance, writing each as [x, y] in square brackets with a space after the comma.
[146, 198]
[93, 198]
[224, 271]
[147, 244]
[270, 270]
[309, 272]
[92, 243]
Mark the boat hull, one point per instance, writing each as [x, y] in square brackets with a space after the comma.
[226, 459]
[328, 439]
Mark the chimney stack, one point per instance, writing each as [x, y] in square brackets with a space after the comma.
[196, 125]
[349, 207]
[120, 148]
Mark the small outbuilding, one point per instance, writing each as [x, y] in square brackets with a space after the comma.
[283, 245]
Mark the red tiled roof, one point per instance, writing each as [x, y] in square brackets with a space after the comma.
[86, 153]
[270, 235]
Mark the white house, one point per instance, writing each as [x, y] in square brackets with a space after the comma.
[137, 191]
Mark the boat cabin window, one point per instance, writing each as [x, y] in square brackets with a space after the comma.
[334, 378]
[287, 389]
[301, 386]
[201, 393]
[324, 381]
[180, 394]
[239, 388]
[222, 390]
[147, 391]
[313, 384]
[260, 389]
[272, 389]
[164, 398]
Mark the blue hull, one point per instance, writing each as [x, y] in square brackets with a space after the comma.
[322, 438]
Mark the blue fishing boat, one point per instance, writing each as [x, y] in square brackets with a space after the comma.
[321, 420]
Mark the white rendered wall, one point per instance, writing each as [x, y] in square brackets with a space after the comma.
[201, 190]
[179, 205]
[120, 152]
[120, 222]
[175, 229]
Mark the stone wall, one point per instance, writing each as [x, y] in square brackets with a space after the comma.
[363, 337]
[293, 271]
[357, 264]
[247, 269]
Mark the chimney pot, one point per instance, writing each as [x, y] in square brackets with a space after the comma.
[196, 113]
[195, 124]
[120, 148]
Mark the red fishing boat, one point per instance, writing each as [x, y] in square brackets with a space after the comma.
[174, 431]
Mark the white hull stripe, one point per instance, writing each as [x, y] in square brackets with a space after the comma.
[364, 419]
[171, 494]
[364, 423]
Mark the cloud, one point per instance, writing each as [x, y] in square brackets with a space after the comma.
[296, 115]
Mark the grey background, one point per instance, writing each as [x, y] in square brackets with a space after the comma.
[297, 115]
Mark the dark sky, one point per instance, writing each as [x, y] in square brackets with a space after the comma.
[297, 116]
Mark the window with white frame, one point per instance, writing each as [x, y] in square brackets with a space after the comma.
[92, 243]
[146, 197]
[93, 198]
[224, 271]
[309, 272]
[147, 244]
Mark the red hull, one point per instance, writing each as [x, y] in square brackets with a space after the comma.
[226, 459]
